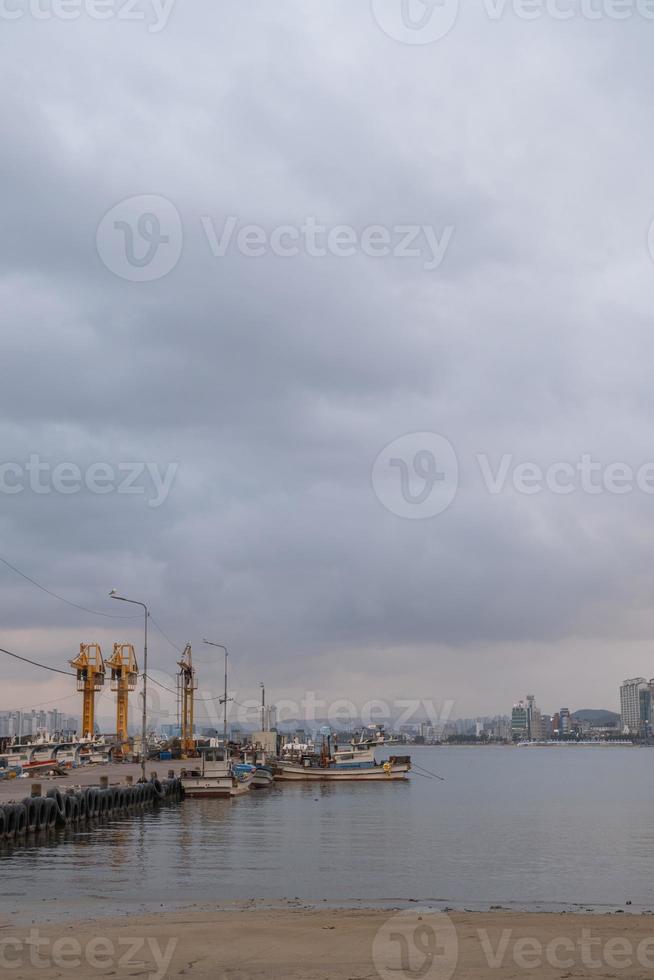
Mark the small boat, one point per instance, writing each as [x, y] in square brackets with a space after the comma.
[264, 776]
[23, 760]
[217, 776]
[353, 761]
[397, 767]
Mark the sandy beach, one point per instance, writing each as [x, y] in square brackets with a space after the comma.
[307, 944]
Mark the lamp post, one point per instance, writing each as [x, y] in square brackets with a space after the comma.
[225, 699]
[144, 724]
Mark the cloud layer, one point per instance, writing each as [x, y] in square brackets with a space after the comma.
[273, 382]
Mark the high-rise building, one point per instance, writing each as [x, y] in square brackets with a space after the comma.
[565, 725]
[534, 725]
[519, 724]
[632, 705]
[526, 720]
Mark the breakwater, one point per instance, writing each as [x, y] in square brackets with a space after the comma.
[73, 806]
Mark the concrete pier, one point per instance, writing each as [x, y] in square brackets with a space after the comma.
[116, 774]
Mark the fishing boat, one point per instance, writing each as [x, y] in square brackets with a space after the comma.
[263, 774]
[352, 761]
[396, 767]
[30, 759]
[263, 777]
[217, 776]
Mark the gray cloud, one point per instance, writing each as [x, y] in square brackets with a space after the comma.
[274, 382]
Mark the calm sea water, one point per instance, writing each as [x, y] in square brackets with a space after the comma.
[526, 828]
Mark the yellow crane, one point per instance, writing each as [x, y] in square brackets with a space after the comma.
[124, 674]
[187, 685]
[90, 679]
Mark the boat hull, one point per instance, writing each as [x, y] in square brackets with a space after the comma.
[298, 773]
[262, 778]
[214, 789]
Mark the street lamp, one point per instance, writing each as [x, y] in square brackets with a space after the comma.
[225, 699]
[114, 595]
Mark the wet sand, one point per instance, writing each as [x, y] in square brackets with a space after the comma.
[307, 944]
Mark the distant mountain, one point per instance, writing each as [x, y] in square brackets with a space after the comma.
[597, 716]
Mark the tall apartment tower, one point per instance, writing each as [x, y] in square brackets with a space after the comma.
[630, 703]
[534, 721]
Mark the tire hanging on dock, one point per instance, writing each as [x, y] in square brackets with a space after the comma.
[30, 808]
[55, 795]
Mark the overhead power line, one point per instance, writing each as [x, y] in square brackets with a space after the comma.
[164, 634]
[219, 697]
[34, 663]
[75, 605]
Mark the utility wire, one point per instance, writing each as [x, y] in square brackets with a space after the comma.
[153, 681]
[164, 634]
[42, 704]
[55, 670]
[219, 697]
[75, 605]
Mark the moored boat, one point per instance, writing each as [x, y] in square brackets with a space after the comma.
[353, 760]
[216, 776]
[312, 770]
[264, 776]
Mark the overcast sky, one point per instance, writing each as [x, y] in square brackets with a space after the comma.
[142, 325]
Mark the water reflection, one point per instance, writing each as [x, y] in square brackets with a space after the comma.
[530, 827]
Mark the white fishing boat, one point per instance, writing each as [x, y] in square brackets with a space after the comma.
[351, 761]
[396, 767]
[216, 776]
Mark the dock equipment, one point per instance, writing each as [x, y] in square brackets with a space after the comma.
[124, 674]
[187, 684]
[90, 679]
